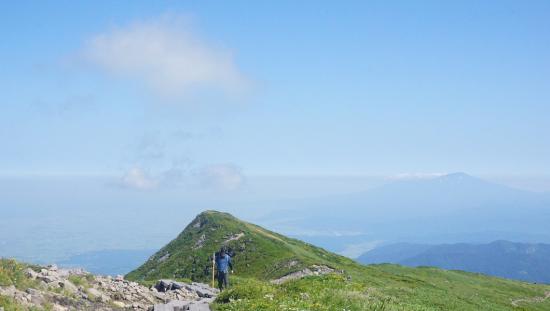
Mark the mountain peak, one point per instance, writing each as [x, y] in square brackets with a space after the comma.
[258, 252]
[457, 177]
[214, 212]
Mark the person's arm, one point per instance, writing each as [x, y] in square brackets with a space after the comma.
[230, 263]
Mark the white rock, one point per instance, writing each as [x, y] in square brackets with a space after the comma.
[94, 292]
[57, 307]
[52, 284]
[30, 273]
[119, 304]
[172, 306]
[98, 295]
[69, 286]
[8, 291]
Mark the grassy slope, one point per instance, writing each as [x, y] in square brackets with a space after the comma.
[385, 287]
[261, 254]
[264, 255]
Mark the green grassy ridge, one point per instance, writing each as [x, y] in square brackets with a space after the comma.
[263, 255]
[260, 253]
[384, 287]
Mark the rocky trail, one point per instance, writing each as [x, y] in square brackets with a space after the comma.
[75, 289]
[312, 270]
[538, 299]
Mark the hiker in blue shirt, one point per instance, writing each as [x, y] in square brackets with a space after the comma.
[223, 264]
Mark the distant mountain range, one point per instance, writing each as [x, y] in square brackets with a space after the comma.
[447, 209]
[520, 261]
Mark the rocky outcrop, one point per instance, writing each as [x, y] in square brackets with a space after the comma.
[234, 237]
[67, 289]
[313, 270]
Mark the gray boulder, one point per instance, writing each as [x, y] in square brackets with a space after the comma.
[8, 291]
[30, 273]
[202, 290]
[175, 305]
[37, 298]
[68, 286]
[199, 307]
[166, 285]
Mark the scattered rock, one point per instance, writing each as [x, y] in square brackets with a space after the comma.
[8, 291]
[313, 270]
[539, 299]
[119, 304]
[68, 286]
[198, 224]
[202, 290]
[47, 278]
[166, 285]
[164, 257]
[98, 295]
[200, 241]
[107, 293]
[199, 307]
[37, 299]
[234, 237]
[176, 305]
[32, 291]
[30, 273]
[57, 307]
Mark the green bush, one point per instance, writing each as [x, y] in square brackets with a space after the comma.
[13, 273]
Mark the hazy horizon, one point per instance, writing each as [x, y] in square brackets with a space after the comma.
[96, 214]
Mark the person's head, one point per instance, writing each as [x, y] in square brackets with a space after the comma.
[222, 251]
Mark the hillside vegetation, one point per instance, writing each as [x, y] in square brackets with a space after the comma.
[387, 287]
[262, 256]
[260, 253]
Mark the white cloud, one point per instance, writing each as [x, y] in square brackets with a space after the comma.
[137, 178]
[222, 177]
[219, 177]
[165, 55]
[409, 176]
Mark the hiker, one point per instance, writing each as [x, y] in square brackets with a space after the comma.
[223, 263]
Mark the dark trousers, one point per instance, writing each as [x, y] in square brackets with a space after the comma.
[223, 280]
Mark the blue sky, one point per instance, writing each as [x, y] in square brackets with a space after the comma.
[209, 93]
